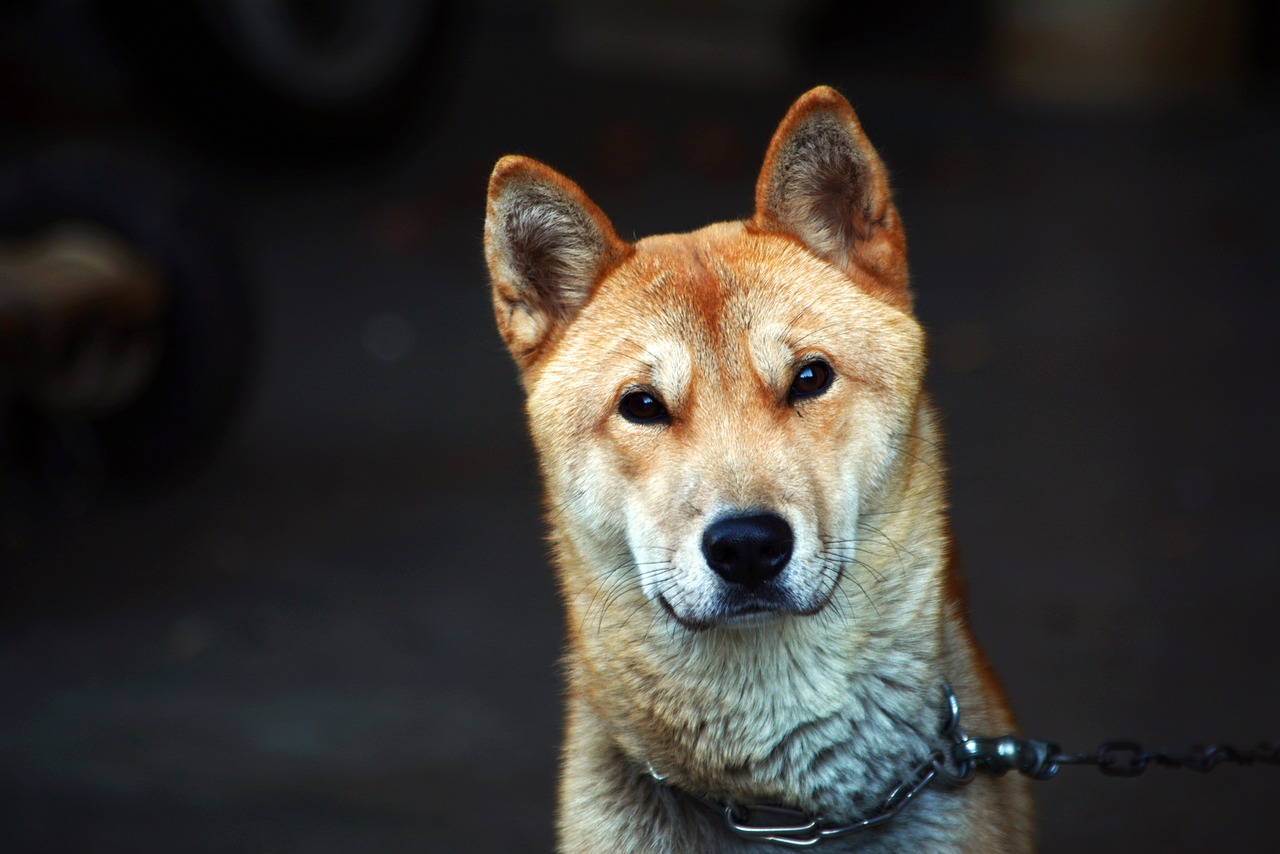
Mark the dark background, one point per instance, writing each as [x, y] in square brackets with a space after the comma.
[339, 632]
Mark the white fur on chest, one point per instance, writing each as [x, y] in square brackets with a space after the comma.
[771, 716]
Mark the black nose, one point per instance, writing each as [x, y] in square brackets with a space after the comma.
[748, 549]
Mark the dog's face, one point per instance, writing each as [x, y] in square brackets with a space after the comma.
[716, 413]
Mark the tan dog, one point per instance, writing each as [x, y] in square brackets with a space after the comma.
[747, 508]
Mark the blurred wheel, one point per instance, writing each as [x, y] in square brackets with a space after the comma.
[284, 74]
[149, 358]
[328, 56]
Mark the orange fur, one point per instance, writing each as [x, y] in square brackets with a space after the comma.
[818, 686]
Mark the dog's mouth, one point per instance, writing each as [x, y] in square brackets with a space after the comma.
[741, 610]
[736, 607]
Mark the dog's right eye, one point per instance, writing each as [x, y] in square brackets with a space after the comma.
[641, 407]
[811, 380]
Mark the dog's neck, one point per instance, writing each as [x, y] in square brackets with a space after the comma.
[853, 809]
[769, 730]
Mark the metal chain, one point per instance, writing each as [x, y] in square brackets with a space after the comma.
[745, 821]
[1129, 759]
[1040, 760]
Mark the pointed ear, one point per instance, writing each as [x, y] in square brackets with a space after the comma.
[824, 184]
[546, 245]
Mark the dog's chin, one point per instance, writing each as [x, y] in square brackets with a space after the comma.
[744, 611]
[753, 619]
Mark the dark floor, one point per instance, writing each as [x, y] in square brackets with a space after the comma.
[342, 636]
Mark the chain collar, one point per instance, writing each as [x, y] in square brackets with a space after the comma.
[950, 766]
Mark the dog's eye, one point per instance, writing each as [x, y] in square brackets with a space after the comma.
[642, 408]
[811, 380]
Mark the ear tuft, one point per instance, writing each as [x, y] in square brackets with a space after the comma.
[823, 183]
[547, 245]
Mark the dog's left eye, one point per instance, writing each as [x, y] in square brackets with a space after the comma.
[811, 380]
[641, 407]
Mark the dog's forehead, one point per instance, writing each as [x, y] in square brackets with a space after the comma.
[714, 282]
[729, 306]
[724, 287]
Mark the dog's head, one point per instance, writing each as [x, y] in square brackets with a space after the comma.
[717, 414]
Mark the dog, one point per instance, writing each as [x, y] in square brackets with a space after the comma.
[746, 502]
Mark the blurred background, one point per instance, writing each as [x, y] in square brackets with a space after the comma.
[272, 569]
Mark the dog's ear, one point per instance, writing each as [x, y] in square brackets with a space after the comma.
[547, 245]
[824, 184]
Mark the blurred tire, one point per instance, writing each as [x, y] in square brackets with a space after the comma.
[178, 418]
[279, 76]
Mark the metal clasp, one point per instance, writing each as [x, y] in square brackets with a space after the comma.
[801, 835]
[1033, 757]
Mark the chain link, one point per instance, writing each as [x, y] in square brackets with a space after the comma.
[1129, 759]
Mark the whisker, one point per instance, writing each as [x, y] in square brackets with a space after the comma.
[898, 550]
[863, 591]
[844, 552]
[902, 449]
[922, 439]
[624, 577]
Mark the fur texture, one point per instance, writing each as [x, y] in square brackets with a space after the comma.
[818, 688]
